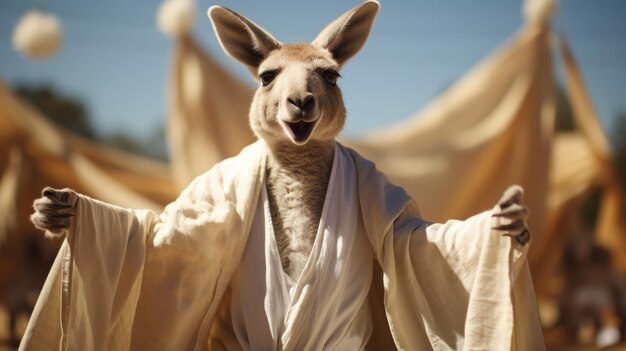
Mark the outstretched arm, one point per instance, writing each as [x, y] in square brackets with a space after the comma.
[463, 283]
[94, 284]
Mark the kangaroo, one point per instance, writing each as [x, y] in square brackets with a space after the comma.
[298, 111]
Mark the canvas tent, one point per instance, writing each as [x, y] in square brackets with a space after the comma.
[34, 153]
[208, 113]
[581, 161]
[57, 158]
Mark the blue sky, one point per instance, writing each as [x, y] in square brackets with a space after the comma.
[116, 60]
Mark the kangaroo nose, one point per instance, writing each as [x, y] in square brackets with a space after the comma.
[304, 103]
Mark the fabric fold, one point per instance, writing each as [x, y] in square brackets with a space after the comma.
[131, 279]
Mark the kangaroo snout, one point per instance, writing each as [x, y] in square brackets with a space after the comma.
[301, 107]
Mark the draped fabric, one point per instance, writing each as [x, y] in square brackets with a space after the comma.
[327, 306]
[581, 161]
[208, 111]
[611, 225]
[134, 279]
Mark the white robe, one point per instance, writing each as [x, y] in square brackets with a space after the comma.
[130, 279]
[327, 307]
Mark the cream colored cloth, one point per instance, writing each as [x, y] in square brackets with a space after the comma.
[326, 308]
[208, 110]
[132, 279]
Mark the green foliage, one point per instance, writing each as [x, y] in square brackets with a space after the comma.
[68, 112]
[564, 114]
[619, 146]
[153, 146]
[590, 207]
[72, 114]
[124, 142]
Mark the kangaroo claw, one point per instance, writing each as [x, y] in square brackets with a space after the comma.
[513, 211]
[512, 195]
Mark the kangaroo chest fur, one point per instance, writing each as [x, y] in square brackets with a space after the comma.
[297, 179]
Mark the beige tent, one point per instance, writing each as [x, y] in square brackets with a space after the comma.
[492, 128]
[208, 113]
[58, 158]
[581, 161]
[611, 226]
[35, 153]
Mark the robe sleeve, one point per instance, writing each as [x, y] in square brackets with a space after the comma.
[88, 300]
[457, 285]
[130, 279]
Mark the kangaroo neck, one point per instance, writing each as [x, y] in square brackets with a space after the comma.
[313, 160]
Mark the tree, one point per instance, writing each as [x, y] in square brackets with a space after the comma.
[67, 112]
[72, 114]
[564, 114]
[619, 146]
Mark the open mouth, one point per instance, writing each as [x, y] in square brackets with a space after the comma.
[300, 131]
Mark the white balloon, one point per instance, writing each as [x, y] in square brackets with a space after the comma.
[176, 17]
[38, 34]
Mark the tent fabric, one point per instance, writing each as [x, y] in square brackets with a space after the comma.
[208, 111]
[9, 189]
[574, 172]
[65, 160]
[611, 224]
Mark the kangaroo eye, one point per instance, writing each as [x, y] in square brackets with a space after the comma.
[331, 76]
[267, 77]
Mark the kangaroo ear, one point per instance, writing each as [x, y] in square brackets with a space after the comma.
[241, 39]
[346, 35]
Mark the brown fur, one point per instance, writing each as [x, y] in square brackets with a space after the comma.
[297, 179]
[297, 175]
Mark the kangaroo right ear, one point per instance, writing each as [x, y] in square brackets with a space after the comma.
[346, 35]
[241, 39]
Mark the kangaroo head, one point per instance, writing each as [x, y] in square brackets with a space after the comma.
[298, 99]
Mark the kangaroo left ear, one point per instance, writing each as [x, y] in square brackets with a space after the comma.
[241, 38]
[346, 35]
